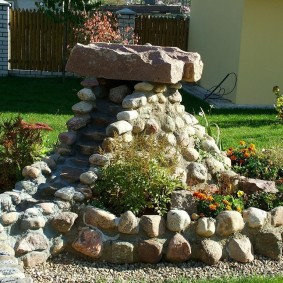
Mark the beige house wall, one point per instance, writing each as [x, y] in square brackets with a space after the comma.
[241, 36]
[261, 53]
[215, 33]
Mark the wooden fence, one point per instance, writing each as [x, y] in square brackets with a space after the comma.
[37, 40]
[163, 31]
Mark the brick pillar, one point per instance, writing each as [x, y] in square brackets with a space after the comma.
[126, 23]
[4, 18]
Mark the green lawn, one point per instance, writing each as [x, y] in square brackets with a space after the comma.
[50, 101]
[39, 100]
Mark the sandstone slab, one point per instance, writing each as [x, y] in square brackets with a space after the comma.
[135, 62]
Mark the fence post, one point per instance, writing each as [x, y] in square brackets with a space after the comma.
[126, 23]
[4, 19]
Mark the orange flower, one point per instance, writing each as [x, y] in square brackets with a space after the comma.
[226, 202]
[233, 157]
[199, 195]
[252, 147]
[217, 204]
[246, 155]
[242, 143]
[210, 198]
[228, 207]
[239, 209]
[212, 207]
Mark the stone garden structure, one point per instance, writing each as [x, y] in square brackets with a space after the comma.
[129, 90]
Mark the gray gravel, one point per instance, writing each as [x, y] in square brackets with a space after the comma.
[65, 268]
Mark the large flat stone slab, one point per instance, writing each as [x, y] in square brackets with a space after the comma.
[135, 62]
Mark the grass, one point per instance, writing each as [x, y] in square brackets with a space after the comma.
[39, 100]
[258, 126]
[50, 101]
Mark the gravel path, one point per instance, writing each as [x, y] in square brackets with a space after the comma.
[65, 268]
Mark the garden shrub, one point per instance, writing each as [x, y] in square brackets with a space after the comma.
[264, 200]
[103, 27]
[279, 103]
[212, 205]
[21, 143]
[249, 162]
[140, 177]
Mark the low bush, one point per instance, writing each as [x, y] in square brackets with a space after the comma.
[21, 143]
[249, 162]
[212, 205]
[140, 177]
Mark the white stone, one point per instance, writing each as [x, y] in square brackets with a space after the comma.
[65, 193]
[88, 178]
[98, 159]
[205, 227]
[179, 122]
[214, 165]
[151, 97]
[228, 223]
[128, 115]
[178, 220]
[255, 217]
[199, 131]
[277, 216]
[86, 94]
[82, 107]
[144, 86]
[32, 172]
[190, 154]
[134, 100]
[119, 128]
[209, 145]
[240, 250]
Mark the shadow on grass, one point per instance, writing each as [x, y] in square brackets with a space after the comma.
[38, 95]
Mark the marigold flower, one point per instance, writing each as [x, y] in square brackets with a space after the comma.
[199, 195]
[246, 155]
[210, 198]
[242, 143]
[233, 157]
[239, 209]
[240, 193]
[228, 207]
[226, 202]
[212, 207]
[252, 147]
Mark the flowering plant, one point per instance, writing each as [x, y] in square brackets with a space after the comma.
[247, 161]
[212, 205]
[21, 143]
[279, 103]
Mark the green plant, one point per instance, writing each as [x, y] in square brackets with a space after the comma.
[140, 177]
[247, 161]
[264, 200]
[21, 143]
[209, 127]
[212, 205]
[279, 103]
